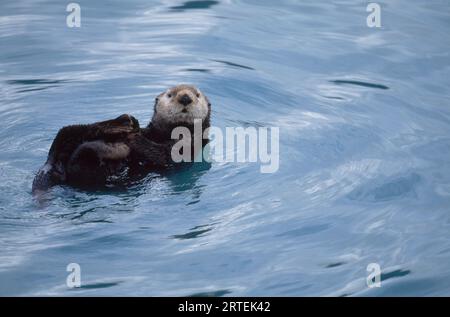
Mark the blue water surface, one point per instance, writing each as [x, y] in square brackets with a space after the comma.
[364, 175]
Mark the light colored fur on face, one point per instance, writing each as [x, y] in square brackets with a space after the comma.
[169, 111]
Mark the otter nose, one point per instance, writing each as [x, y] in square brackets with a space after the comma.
[185, 100]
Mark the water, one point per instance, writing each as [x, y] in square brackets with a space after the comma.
[364, 124]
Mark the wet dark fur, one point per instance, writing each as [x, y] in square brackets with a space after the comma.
[74, 157]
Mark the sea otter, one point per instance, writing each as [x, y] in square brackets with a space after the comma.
[102, 153]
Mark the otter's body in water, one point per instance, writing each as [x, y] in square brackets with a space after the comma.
[108, 152]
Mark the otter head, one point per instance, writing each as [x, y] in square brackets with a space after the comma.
[181, 106]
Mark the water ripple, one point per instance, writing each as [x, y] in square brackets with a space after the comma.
[364, 144]
[359, 83]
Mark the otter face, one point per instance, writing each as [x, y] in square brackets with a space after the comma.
[181, 105]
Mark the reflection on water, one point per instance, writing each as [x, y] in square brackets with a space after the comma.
[206, 4]
[211, 294]
[359, 83]
[191, 234]
[233, 64]
[186, 178]
[364, 146]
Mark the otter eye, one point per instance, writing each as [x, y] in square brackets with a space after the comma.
[198, 95]
[169, 95]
